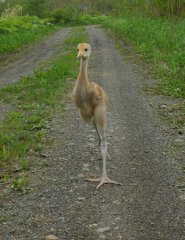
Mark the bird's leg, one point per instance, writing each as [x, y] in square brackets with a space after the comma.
[104, 179]
[95, 126]
[99, 138]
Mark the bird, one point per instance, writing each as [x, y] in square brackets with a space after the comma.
[91, 102]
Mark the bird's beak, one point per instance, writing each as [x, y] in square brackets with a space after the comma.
[79, 55]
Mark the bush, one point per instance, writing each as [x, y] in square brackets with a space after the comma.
[14, 24]
[13, 11]
[65, 15]
[17, 31]
[89, 19]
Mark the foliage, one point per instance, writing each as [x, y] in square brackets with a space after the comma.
[63, 15]
[161, 42]
[18, 30]
[159, 8]
[43, 8]
[20, 184]
[36, 7]
[13, 11]
[10, 24]
[86, 19]
[31, 7]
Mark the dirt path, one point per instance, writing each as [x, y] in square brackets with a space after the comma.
[26, 62]
[147, 206]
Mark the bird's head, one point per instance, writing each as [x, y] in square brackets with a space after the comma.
[84, 51]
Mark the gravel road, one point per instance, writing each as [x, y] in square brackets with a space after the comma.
[27, 61]
[147, 207]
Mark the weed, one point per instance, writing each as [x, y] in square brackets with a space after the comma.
[181, 186]
[24, 164]
[4, 177]
[20, 184]
[3, 218]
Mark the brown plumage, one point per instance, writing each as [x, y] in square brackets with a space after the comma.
[91, 101]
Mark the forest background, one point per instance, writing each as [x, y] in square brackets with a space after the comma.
[73, 8]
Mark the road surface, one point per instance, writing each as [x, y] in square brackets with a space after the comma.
[148, 206]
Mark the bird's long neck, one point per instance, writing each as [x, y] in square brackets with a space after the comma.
[83, 77]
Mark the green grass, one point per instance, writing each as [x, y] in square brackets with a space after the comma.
[3, 218]
[21, 184]
[16, 31]
[23, 131]
[161, 43]
[11, 42]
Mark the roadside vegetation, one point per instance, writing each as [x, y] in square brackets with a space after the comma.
[161, 43]
[16, 31]
[155, 30]
[24, 129]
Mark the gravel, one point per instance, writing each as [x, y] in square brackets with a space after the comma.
[27, 60]
[62, 203]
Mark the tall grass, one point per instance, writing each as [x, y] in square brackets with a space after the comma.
[160, 42]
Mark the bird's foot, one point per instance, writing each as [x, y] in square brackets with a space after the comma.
[102, 180]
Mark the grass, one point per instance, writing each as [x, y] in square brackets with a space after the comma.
[21, 184]
[3, 218]
[23, 131]
[11, 42]
[160, 42]
[161, 45]
[16, 31]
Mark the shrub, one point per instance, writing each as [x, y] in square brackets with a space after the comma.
[9, 24]
[65, 15]
[16, 31]
[89, 19]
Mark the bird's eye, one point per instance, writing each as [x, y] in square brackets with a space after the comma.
[86, 49]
